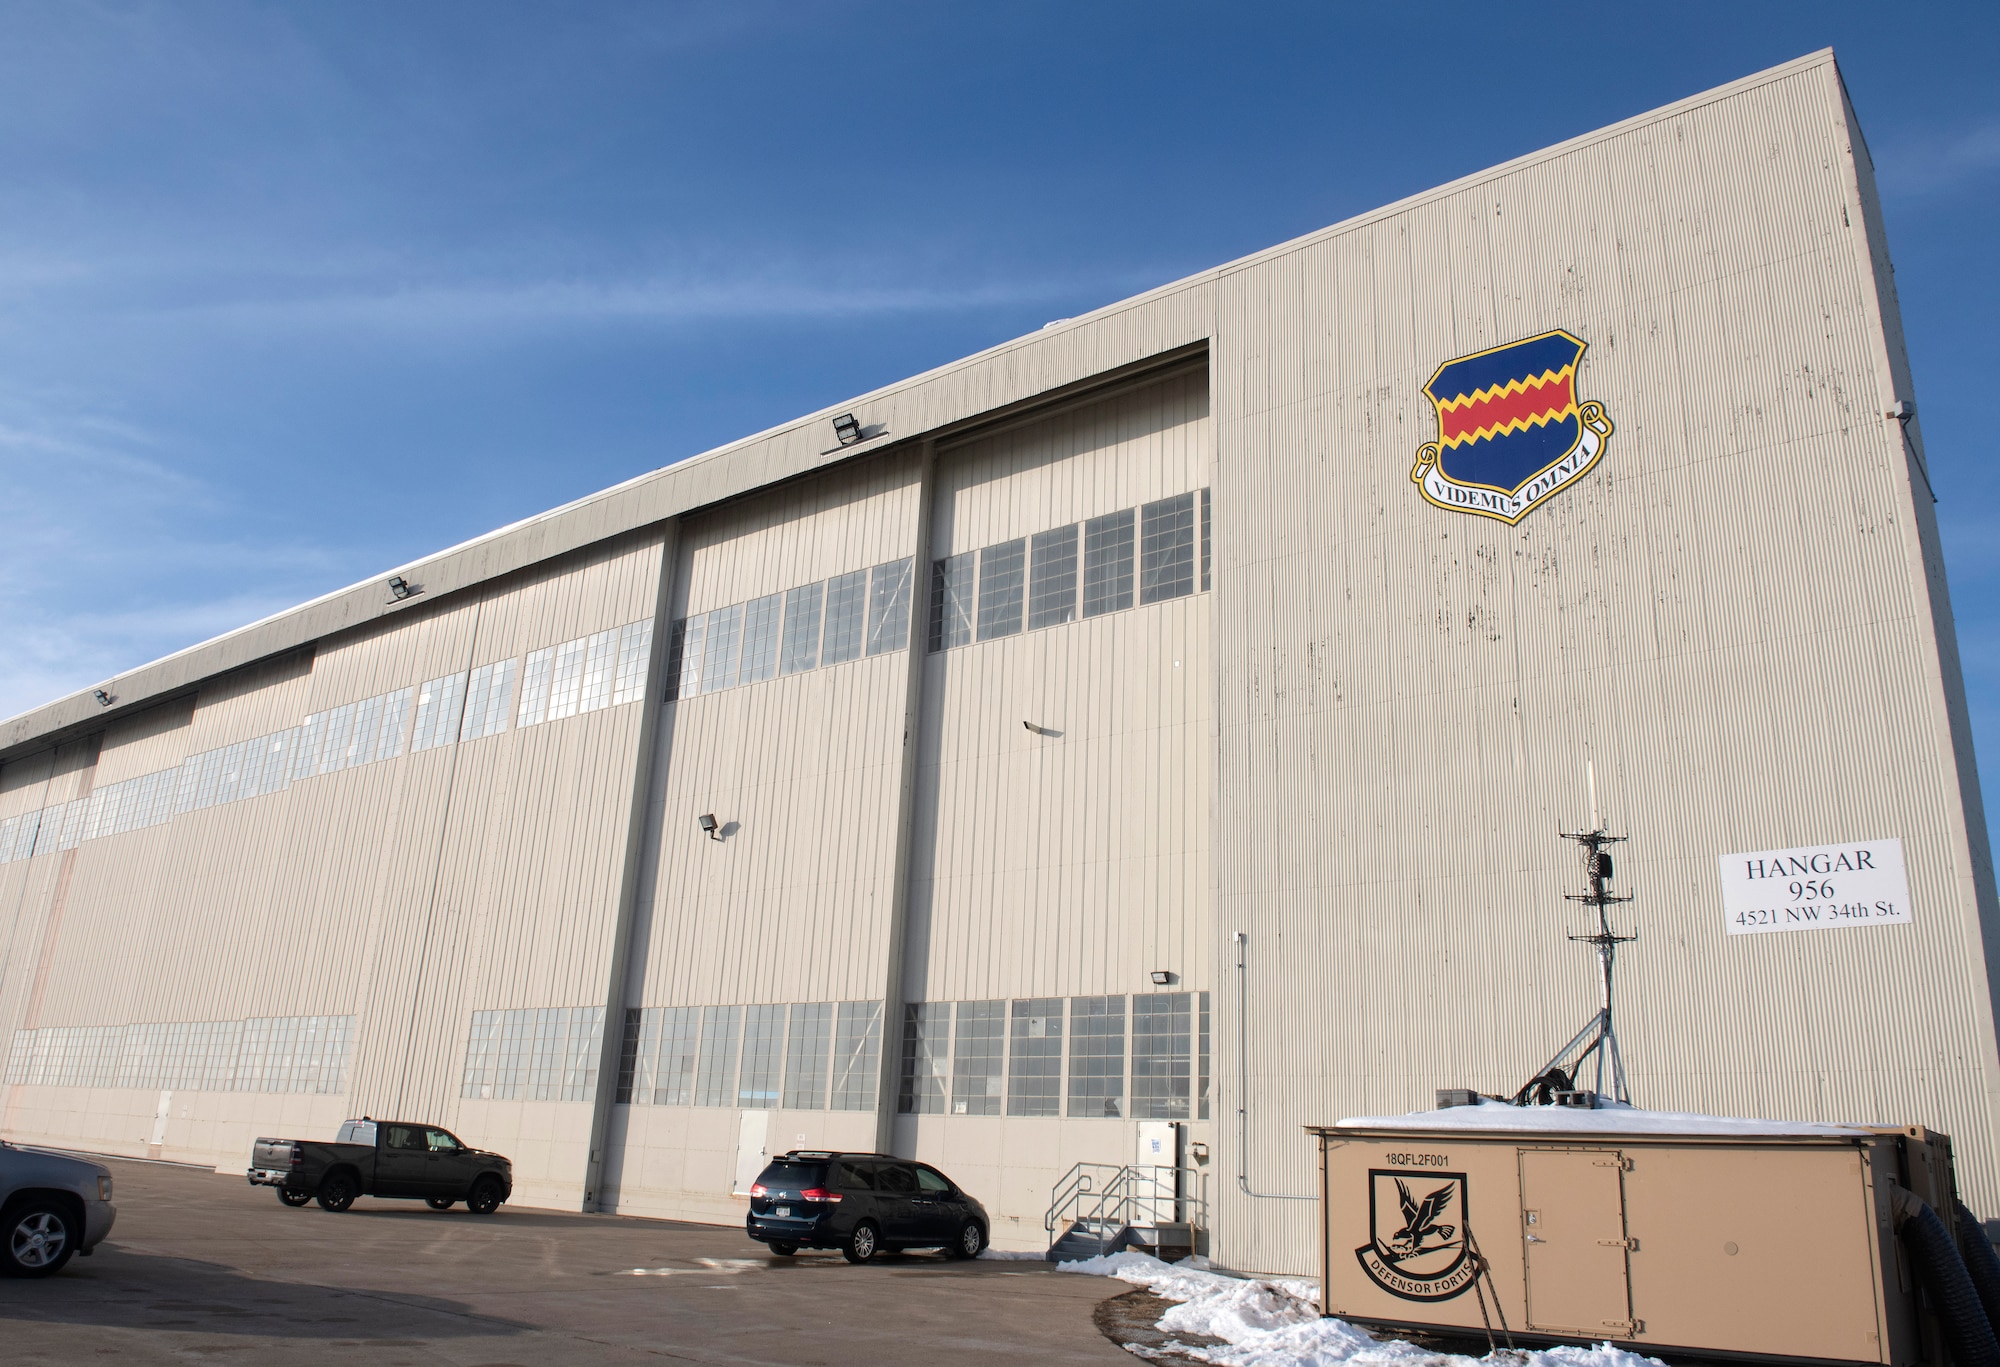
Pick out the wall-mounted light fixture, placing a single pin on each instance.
(103, 699)
(846, 429)
(1161, 977)
(709, 826)
(401, 588)
(1902, 410)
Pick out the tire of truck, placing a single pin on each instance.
(37, 1237)
(294, 1199)
(485, 1196)
(1981, 1263)
(337, 1191)
(439, 1202)
(1947, 1285)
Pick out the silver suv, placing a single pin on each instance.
(51, 1206)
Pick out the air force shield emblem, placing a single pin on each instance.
(1510, 429)
(1417, 1247)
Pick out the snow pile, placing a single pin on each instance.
(1276, 1323)
(1610, 1118)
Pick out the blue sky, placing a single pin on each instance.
(292, 293)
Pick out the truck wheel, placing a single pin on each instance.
(485, 1197)
(438, 1202)
(294, 1199)
(36, 1239)
(337, 1192)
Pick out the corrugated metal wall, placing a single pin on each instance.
(1727, 621)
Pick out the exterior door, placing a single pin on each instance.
(1573, 1237)
(448, 1170)
(938, 1209)
(751, 1135)
(895, 1197)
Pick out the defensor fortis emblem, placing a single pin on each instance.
(1417, 1246)
(1511, 431)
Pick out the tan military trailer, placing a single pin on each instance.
(1654, 1231)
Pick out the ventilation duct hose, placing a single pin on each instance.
(1968, 1335)
(1980, 1261)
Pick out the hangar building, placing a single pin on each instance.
(1165, 716)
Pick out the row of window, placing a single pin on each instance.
(1146, 554)
(866, 612)
(539, 1054)
(995, 1057)
(264, 1054)
(804, 1056)
(607, 669)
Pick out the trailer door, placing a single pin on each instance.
(1574, 1241)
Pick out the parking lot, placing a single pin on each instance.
(203, 1267)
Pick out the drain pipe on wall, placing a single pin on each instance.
(1243, 1081)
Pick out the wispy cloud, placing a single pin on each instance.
(1939, 164)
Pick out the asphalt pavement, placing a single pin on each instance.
(202, 1267)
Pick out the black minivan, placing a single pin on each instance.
(861, 1204)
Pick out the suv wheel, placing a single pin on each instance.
(337, 1192)
(485, 1197)
(784, 1250)
(36, 1239)
(971, 1239)
(294, 1199)
(438, 1202)
(863, 1244)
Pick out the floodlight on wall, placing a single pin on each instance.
(1161, 977)
(709, 826)
(1902, 410)
(103, 698)
(401, 588)
(846, 429)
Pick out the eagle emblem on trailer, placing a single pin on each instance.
(1511, 430)
(1417, 1247)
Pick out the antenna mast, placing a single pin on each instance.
(1553, 1081)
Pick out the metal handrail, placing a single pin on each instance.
(1098, 1193)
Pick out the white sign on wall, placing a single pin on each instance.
(1817, 887)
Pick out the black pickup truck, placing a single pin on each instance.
(383, 1158)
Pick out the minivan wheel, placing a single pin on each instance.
(337, 1192)
(971, 1239)
(294, 1199)
(863, 1244)
(485, 1197)
(36, 1239)
(784, 1250)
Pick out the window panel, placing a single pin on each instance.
(684, 657)
(889, 606)
(976, 1051)
(952, 601)
(680, 1056)
(810, 1037)
(1161, 1035)
(1201, 1060)
(1167, 549)
(636, 1053)
(600, 671)
(635, 653)
(1052, 578)
(395, 724)
(566, 678)
(802, 613)
(926, 1058)
(438, 704)
(857, 1052)
(535, 687)
(761, 620)
(1035, 1055)
(1107, 563)
(763, 1057)
(716, 1083)
(1204, 541)
(846, 613)
(1096, 1056)
(1002, 582)
(487, 698)
(723, 649)
(361, 734)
